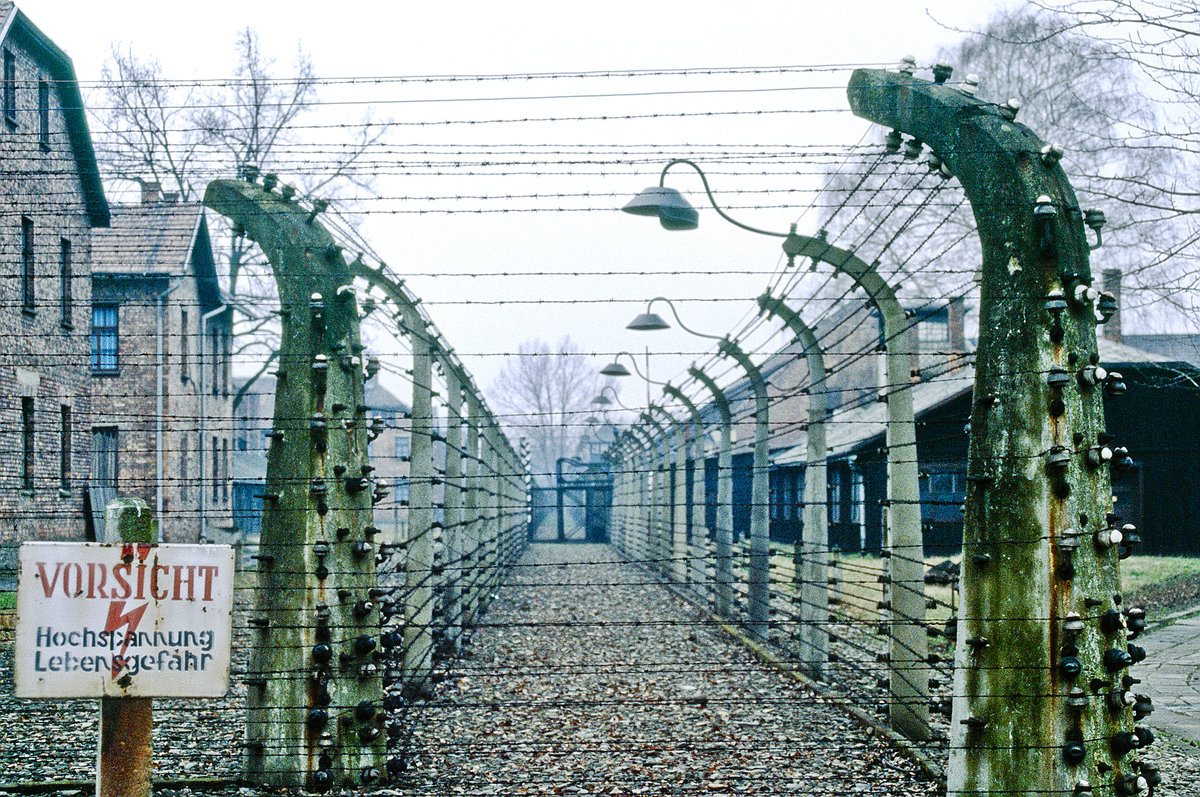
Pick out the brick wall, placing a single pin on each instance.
(41, 357)
(127, 399)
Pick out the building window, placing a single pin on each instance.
(28, 293)
(27, 442)
(403, 447)
(10, 89)
(184, 451)
(105, 459)
(943, 490)
(834, 490)
(44, 114)
(934, 326)
(402, 491)
(216, 468)
(185, 347)
(857, 496)
(226, 361)
(786, 492)
(104, 338)
(66, 297)
(773, 500)
(225, 469)
(64, 447)
(214, 351)
(798, 493)
(944, 484)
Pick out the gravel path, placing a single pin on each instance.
(589, 679)
(586, 677)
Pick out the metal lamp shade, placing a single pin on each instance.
(647, 322)
(602, 400)
(614, 369)
(673, 211)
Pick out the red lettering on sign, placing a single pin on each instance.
(96, 589)
(154, 571)
(181, 582)
(72, 569)
(120, 575)
(209, 572)
(48, 584)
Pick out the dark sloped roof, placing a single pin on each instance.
(850, 428)
(379, 397)
(147, 239)
(14, 23)
(1182, 348)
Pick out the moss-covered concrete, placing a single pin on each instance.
(1010, 718)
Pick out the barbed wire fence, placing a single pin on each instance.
(467, 516)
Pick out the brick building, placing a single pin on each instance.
(389, 454)
(52, 202)
(160, 349)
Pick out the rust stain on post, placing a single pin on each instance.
(124, 764)
(125, 753)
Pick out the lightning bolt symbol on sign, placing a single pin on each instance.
(118, 620)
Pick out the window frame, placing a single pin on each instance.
(773, 501)
(65, 433)
(216, 468)
(44, 115)
(10, 89)
(214, 342)
(65, 286)
(28, 266)
(833, 491)
(185, 348)
(858, 496)
(402, 441)
(28, 443)
(113, 434)
(184, 458)
(933, 326)
(99, 358)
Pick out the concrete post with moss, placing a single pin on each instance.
(813, 566)
(314, 690)
(1043, 703)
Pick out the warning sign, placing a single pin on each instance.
(123, 619)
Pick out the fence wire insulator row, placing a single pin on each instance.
(359, 618)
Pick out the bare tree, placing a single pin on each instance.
(181, 135)
(545, 395)
(1116, 82)
(1073, 91)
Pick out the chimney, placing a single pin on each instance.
(956, 312)
(171, 197)
(151, 192)
(1112, 284)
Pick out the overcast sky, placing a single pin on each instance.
(596, 258)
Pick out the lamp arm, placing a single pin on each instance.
(616, 398)
(712, 199)
(678, 320)
(637, 370)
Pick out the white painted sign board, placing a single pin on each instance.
(123, 620)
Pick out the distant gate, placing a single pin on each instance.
(576, 508)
